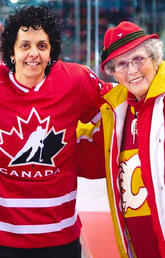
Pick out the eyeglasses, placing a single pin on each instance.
(137, 61)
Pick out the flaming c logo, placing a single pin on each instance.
(129, 199)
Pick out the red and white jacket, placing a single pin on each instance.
(38, 169)
(151, 152)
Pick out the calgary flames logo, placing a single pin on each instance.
(32, 142)
(129, 199)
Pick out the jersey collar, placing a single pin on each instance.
(21, 87)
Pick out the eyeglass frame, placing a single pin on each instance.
(112, 67)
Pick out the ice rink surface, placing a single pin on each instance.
(92, 195)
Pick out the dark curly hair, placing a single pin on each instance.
(35, 17)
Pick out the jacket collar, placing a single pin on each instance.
(116, 95)
(158, 84)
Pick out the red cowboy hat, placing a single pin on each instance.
(121, 39)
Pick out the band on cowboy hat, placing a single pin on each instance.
(121, 39)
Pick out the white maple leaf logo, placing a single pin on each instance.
(32, 142)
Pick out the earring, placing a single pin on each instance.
(49, 63)
(12, 61)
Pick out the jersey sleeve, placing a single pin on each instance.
(94, 89)
(90, 150)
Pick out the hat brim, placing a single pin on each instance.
(125, 48)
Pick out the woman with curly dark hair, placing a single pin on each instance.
(35, 18)
(42, 99)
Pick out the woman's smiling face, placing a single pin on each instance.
(31, 55)
(136, 78)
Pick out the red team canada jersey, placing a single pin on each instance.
(38, 173)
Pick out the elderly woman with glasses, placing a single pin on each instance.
(134, 137)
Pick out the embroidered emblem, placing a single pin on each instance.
(34, 142)
(129, 199)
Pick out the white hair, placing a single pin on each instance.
(155, 48)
